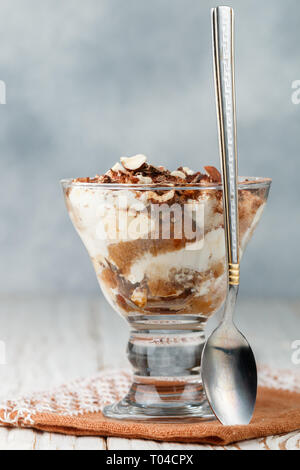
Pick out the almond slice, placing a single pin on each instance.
(144, 179)
(161, 198)
(188, 171)
(118, 167)
(133, 163)
(178, 174)
(213, 173)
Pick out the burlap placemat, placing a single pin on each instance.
(75, 408)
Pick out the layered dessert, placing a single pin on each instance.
(156, 237)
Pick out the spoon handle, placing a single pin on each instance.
(223, 48)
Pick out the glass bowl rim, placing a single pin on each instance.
(245, 182)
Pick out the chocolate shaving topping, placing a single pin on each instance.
(153, 174)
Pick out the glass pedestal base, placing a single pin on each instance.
(165, 353)
(162, 401)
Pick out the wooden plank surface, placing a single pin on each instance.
(50, 340)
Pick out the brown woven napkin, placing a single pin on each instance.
(75, 408)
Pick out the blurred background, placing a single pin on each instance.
(88, 82)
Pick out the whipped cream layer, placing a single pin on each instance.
(211, 253)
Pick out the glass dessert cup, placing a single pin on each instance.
(159, 256)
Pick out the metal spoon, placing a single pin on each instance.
(228, 365)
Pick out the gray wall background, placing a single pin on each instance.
(90, 81)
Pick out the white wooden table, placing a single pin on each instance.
(52, 340)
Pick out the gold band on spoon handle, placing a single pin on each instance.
(223, 46)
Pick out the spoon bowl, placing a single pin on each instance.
(229, 368)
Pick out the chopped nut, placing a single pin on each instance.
(213, 173)
(139, 297)
(104, 179)
(197, 177)
(178, 174)
(163, 197)
(144, 179)
(188, 171)
(82, 180)
(133, 163)
(118, 167)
